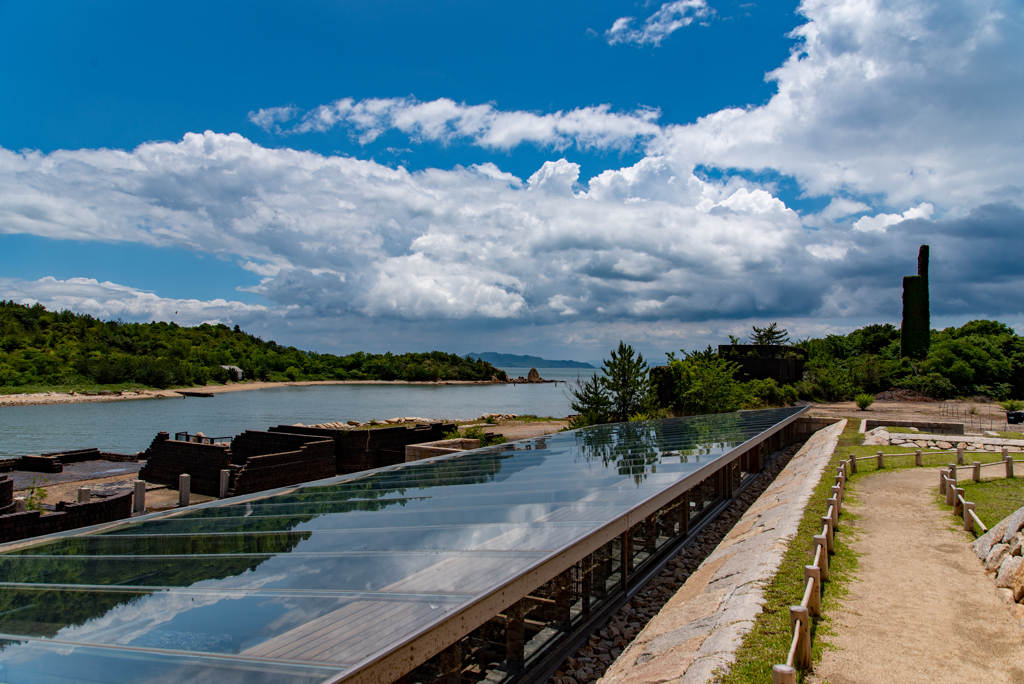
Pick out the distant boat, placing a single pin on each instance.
(518, 361)
(186, 393)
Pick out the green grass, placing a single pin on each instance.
(767, 644)
(994, 499)
(897, 429)
(1010, 435)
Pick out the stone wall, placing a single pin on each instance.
(922, 425)
(698, 631)
(6, 495)
(69, 516)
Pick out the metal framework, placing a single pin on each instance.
(483, 565)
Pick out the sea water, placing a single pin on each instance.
(129, 426)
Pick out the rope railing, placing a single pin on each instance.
(810, 605)
(799, 657)
(962, 508)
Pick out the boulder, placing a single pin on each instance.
(944, 445)
(353, 422)
(1006, 596)
(1014, 522)
(983, 544)
(996, 556)
(1017, 582)
(1016, 543)
(533, 376)
(1007, 569)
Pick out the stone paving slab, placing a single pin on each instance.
(700, 629)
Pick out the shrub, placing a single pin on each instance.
(704, 382)
(864, 400)
(1012, 405)
(767, 393)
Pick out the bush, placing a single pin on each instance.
(766, 393)
(931, 385)
(1012, 405)
(864, 400)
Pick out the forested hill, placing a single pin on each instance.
(518, 361)
(40, 348)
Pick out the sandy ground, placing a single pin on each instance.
(65, 398)
(922, 608)
(932, 410)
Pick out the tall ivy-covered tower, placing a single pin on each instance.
(915, 334)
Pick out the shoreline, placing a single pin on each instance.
(44, 398)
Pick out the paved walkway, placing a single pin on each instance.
(922, 608)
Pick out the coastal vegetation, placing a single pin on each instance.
(42, 349)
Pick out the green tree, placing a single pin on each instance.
(770, 334)
(704, 383)
(626, 381)
(590, 402)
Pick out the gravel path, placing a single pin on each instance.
(922, 608)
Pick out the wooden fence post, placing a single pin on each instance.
(959, 455)
(917, 458)
(976, 471)
(942, 482)
(950, 492)
(1009, 466)
(813, 572)
(968, 520)
(958, 508)
(822, 541)
(881, 460)
(783, 674)
(834, 503)
(803, 648)
(853, 464)
(826, 523)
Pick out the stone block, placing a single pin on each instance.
(995, 557)
(1004, 579)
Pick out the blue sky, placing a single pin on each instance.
(532, 177)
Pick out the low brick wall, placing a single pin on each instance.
(69, 516)
(417, 452)
(922, 425)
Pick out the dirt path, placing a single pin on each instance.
(922, 608)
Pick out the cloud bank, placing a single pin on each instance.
(903, 116)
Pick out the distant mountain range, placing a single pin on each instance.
(518, 361)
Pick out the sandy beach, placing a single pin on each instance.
(74, 398)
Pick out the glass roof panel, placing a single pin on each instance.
(297, 585)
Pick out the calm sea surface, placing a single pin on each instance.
(129, 426)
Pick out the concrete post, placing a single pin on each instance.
(139, 500)
(959, 455)
(783, 674)
(84, 494)
(976, 471)
(917, 458)
(184, 482)
(802, 660)
(881, 460)
(853, 464)
(19, 504)
(225, 482)
(813, 572)
(826, 524)
(942, 482)
(950, 492)
(968, 520)
(1009, 466)
(837, 494)
(954, 474)
(958, 508)
(822, 541)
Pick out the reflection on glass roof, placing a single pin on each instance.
(302, 584)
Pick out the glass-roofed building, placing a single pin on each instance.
(483, 565)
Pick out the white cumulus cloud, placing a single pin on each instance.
(669, 18)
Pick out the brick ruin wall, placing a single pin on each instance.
(358, 450)
(6, 495)
(166, 459)
(69, 516)
(267, 460)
